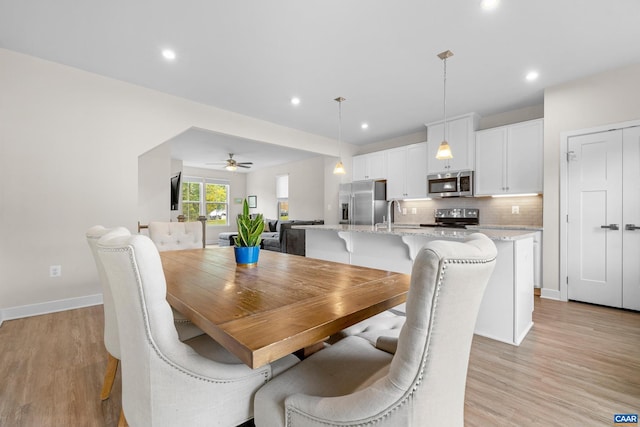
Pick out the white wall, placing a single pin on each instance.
(155, 169)
(412, 138)
(306, 189)
(69, 147)
(511, 117)
(606, 98)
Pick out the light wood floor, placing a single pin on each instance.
(578, 366)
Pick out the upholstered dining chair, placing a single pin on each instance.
(417, 379)
(166, 382)
(175, 236)
(186, 330)
(172, 236)
(111, 340)
(388, 324)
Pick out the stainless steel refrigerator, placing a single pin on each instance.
(363, 202)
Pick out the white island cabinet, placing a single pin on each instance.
(507, 306)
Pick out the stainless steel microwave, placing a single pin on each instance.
(450, 184)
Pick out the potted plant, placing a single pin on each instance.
(247, 242)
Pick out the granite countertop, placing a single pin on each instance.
(505, 227)
(415, 230)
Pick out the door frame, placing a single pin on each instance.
(564, 196)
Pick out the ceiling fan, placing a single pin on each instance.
(231, 164)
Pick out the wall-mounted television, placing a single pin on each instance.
(175, 191)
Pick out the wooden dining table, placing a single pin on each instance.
(284, 304)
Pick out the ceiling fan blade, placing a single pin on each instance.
(231, 162)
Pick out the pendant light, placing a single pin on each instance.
(444, 151)
(339, 169)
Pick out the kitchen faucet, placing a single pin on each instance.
(389, 205)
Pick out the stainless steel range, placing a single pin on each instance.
(455, 218)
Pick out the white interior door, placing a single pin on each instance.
(595, 201)
(631, 219)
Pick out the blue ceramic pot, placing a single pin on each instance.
(247, 256)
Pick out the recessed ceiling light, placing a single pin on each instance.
(531, 76)
(295, 100)
(489, 4)
(168, 54)
(365, 126)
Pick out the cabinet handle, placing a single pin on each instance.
(631, 227)
(611, 226)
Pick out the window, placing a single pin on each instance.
(283, 210)
(282, 195)
(205, 197)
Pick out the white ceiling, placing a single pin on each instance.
(200, 148)
(252, 56)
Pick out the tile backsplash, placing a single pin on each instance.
(493, 210)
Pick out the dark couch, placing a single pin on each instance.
(288, 240)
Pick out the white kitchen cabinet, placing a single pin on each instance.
(460, 136)
(370, 166)
(407, 174)
(509, 159)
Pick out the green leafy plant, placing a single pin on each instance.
(249, 229)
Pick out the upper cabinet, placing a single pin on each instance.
(509, 159)
(370, 166)
(406, 174)
(460, 135)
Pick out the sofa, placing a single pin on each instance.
(278, 236)
(227, 238)
(288, 240)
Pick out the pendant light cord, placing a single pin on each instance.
(339, 101)
(339, 169)
(340, 128)
(444, 99)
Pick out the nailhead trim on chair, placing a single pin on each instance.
(129, 251)
(408, 396)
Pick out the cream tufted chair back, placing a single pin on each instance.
(184, 327)
(166, 382)
(171, 236)
(111, 340)
(417, 379)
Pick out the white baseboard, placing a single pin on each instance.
(550, 294)
(48, 307)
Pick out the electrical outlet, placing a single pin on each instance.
(515, 210)
(414, 211)
(404, 211)
(55, 271)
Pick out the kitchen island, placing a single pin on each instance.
(506, 310)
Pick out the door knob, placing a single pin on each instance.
(611, 226)
(631, 227)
